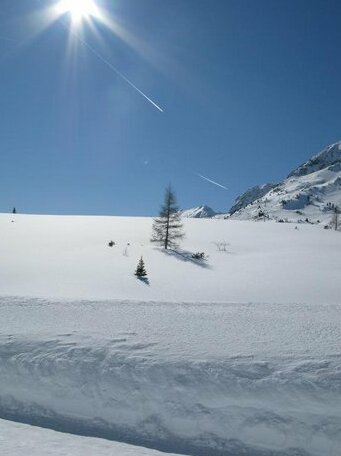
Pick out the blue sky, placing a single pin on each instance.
(250, 89)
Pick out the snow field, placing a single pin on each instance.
(68, 258)
(239, 355)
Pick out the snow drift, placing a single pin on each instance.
(196, 379)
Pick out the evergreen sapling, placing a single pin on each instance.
(141, 270)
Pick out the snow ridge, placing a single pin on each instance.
(329, 156)
(250, 196)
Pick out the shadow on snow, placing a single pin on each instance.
(186, 256)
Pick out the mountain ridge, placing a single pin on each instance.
(309, 193)
(202, 211)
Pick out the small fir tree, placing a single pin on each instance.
(141, 270)
(167, 228)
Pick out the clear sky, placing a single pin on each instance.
(249, 89)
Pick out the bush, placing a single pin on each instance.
(199, 256)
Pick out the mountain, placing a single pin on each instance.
(310, 192)
(250, 196)
(199, 212)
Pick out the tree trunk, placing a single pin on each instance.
(167, 226)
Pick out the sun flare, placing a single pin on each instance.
(79, 10)
(86, 15)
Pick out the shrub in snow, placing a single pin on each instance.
(111, 244)
(140, 271)
(199, 256)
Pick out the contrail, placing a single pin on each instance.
(111, 66)
(211, 181)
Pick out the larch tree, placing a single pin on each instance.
(167, 228)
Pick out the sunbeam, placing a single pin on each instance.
(87, 12)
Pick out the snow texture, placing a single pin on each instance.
(196, 379)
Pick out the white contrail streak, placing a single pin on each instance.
(111, 66)
(211, 181)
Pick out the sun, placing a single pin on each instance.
(79, 10)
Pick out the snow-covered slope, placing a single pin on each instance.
(309, 192)
(331, 155)
(238, 355)
(68, 257)
(199, 212)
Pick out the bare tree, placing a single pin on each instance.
(167, 228)
(221, 246)
(335, 219)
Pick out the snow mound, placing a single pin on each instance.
(219, 380)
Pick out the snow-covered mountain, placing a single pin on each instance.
(310, 192)
(250, 196)
(202, 211)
